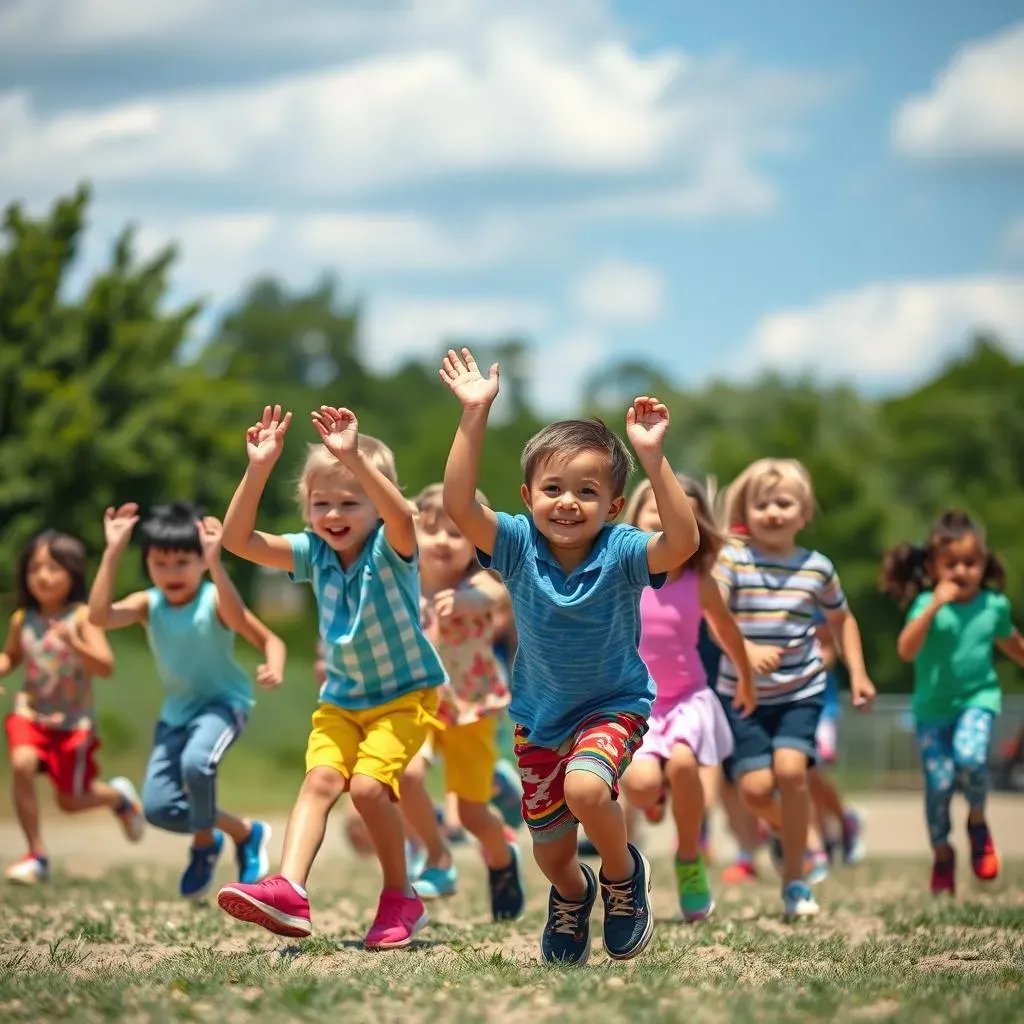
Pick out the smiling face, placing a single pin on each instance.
(176, 574)
(571, 498)
(776, 513)
(47, 580)
(340, 513)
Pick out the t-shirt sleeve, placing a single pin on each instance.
(1004, 624)
(629, 547)
(830, 592)
(303, 547)
(511, 542)
(384, 552)
(724, 572)
(918, 605)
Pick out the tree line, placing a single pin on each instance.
(100, 403)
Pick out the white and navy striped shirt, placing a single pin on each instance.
(776, 600)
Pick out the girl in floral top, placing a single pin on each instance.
(52, 727)
(461, 605)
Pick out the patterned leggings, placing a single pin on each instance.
(954, 751)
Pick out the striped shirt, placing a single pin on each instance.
(775, 600)
(578, 632)
(374, 647)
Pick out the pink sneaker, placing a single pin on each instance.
(273, 904)
(398, 919)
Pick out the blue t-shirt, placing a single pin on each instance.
(578, 632)
(373, 642)
(194, 654)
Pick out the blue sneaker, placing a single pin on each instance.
(628, 921)
(507, 793)
(436, 883)
(506, 885)
(198, 877)
(566, 936)
(798, 901)
(253, 856)
(415, 859)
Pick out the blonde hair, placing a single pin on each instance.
(428, 507)
(320, 464)
(766, 474)
(711, 538)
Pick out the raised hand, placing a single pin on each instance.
(264, 440)
(339, 430)
(118, 524)
(211, 532)
(646, 425)
(467, 383)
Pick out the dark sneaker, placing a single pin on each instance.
(944, 876)
(198, 876)
(506, 885)
(566, 936)
(628, 921)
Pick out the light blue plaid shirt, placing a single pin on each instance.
(375, 650)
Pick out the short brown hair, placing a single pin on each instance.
(571, 437)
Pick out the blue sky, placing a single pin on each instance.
(710, 187)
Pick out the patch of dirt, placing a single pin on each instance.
(968, 960)
(882, 1010)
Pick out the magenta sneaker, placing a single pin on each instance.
(398, 919)
(273, 904)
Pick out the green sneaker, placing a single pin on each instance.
(695, 899)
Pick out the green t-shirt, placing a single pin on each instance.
(955, 667)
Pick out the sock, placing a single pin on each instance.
(298, 888)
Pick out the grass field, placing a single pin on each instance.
(120, 947)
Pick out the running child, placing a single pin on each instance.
(581, 694)
(957, 614)
(460, 604)
(688, 729)
(190, 623)
(359, 554)
(52, 728)
(773, 587)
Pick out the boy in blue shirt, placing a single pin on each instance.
(190, 623)
(581, 695)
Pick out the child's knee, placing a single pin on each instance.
(323, 783)
(416, 771)
(24, 763)
(682, 767)
(67, 801)
(369, 793)
(475, 816)
(790, 769)
(643, 786)
(586, 793)
(757, 789)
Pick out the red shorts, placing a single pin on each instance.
(603, 745)
(66, 755)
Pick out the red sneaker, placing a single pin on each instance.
(984, 859)
(740, 872)
(398, 919)
(944, 876)
(274, 904)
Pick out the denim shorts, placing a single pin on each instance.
(789, 726)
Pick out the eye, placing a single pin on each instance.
(588, 491)
(550, 489)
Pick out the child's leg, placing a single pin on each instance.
(164, 802)
(935, 742)
(209, 737)
(24, 769)
(971, 741)
(421, 814)
(826, 797)
(687, 793)
(790, 770)
(643, 782)
(307, 824)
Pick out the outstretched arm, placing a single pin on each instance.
(339, 430)
(646, 425)
(10, 657)
(844, 625)
(104, 611)
(476, 393)
(264, 444)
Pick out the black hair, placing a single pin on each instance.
(171, 528)
(905, 567)
(67, 551)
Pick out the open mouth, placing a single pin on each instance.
(337, 532)
(567, 522)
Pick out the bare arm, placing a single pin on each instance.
(829, 647)
(11, 656)
(914, 633)
(392, 506)
(269, 644)
(1013, 647)
(726, 633)
(89, 642)
(846, 629)
(477, 394)
(104, 611)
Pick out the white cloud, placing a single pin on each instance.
(616, 292)
(560, 366)
(888, 331)
(397, 327)
(974, 107)
(1013, 239)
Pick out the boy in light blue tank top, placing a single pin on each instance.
(190, 623)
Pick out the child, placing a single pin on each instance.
(956, 615)
(359, 554)
(773, 588)
(581, 694)
(52, 728)
(688, 728)
(459, 604)
(190, 623)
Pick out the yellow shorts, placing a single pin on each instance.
(377, 742)
(470, 753)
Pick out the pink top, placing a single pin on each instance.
(669, 631)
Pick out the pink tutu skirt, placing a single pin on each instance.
(697, 721)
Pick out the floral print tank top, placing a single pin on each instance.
(477, 683)
(57, 687)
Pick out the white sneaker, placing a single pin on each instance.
(132, 820)
(27, 871)
(798, 901)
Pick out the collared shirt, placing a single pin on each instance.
(578, 632)
(374, 646)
